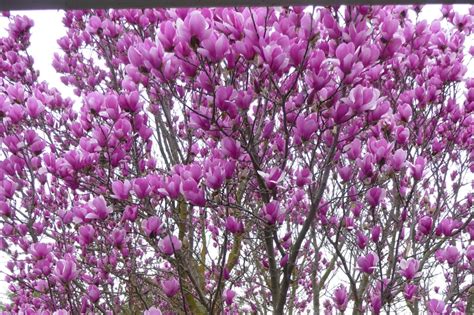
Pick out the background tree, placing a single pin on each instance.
(260, 160)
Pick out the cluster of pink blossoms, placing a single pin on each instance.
(240, 160)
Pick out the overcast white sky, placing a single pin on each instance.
(48, 28)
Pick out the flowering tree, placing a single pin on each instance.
(223, 161)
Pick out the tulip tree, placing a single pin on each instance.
(241, 160)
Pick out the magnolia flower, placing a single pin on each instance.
(189, 188)
(398, 159)
(345, 172)
(368, 263)
(231, 148)
(435, 307)
(305, 127)
(229, 296)
(340, 298)
(86, 234)
(98, 209)
(446, 227)
(152, 311)
(214, 47)
(284, 260)
(302, 177)
(363, 99)
(171, 187)
(151, 226)
(275, 58)
(121, 189)
(122, 128)
(170, 287)
(375, 196)
(345, 53)
(424, 225)
(40, 250)
(362, 239)
(141, 187)
(169, 245)
(375, 234)
(418, 167)
(470, 253)
(215, 177)
(375, 302)
(194, 27)
(65, 270)
(130, 213)
(34, 107)
(273, 177)
(404, 111)
(354, 149)
(410, 291)
(118, 237)
(167, 35)
(93, 293)
(409, 268)
(450, 254)
(402, 135)
(272, 213)
(233, 225)
(380, 149)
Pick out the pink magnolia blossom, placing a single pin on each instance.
(398, 159)
(410, 291)
(424, 225)
(194, 27)
(363, 99)
(233, 225)
(192, 192)
(121, 189)
(305, 127)
(272, 213)
(418, 168)
(86, 234)
(40, 250)
(93, 292)
(409, 268)
(141, 187)
(231, 148)
(450, 254)
(447, 226)
(273, 177)
(368, 263)
(229, 296)
(170, 286)
(169, 245)
(152, 311)
(98, 209)
(341, 298)
(470, 253)
(152, 226)
(375, 196)
(435, 307)
(66, 270)
(214, 48)
(302, 177)
(376, 231)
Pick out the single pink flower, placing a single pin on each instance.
(65, 270)
(169, 245)
(170, 287)
(368, 263)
